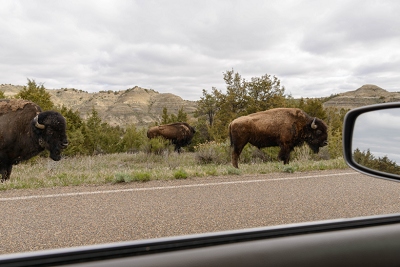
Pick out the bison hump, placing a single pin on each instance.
(12, 105)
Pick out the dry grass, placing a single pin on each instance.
(140, 167)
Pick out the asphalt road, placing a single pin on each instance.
(75, 216)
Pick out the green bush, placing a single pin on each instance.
(132, 177)
(289, 169)
(181, 174)
(301, 153)
(252, 154)
(212, 152)
(233, 171)
(157, 145)
(141, 177)
(335, 144)
(220, 153)
(122, 178)
(211, 171)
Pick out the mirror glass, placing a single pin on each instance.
(376, 140)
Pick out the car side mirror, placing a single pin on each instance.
(371, 140)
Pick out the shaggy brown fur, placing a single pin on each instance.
(7, 105)
(180, 133)
(25, 131)
(283, 127)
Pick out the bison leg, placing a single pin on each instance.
(235, 155)
(284, 154)
(5, 173)
(177, 149)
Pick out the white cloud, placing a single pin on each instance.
(377, 131)
(315, 48)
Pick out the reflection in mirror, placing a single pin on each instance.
(376, 140)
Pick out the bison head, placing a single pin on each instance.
(317, 134)
(51, 130)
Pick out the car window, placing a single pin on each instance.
(124, 121)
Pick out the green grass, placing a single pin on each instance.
(141, 167)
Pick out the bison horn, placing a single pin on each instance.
(37, 124)
(313, 125)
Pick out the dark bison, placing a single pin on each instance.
(180, 133)
(283, 127)
(25, 131)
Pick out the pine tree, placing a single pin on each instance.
(36, 93)
(165, 116)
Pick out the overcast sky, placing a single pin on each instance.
(378, 132)
(316, 48)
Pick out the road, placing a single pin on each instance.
(85, 215)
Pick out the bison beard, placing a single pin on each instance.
(25, 131)
(283, 127)
(180, 133)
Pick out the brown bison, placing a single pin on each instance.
(25, 131)
(283, 127)
(180, 133)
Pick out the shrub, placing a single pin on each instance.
(301, 153)
(141, 177)
(233, 171)
(289, 169)
(252, 154)
(212, 152)
(335, 144)
(212, 172)
(133, 177)
(122, 178)
(157, 145)
(181, 174)
(220, 153)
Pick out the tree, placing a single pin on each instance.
(75, 135)
(202, 132)
(313, 107)
(91, 132)
(231, 105)
(334, 119)
(2, 94)
(38, 94)
(73, 118)
(207, 106)
(236, 95)
(110, 139)
(181, 117)
(165, 116)
(264, 93)
(241, 98)
(367, 159)
(133, 139)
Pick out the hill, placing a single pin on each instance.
(142, 106)
(365, 95)
(132, 106)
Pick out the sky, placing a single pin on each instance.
(315, 48)
(378, 132)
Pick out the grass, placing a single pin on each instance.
(141, 167)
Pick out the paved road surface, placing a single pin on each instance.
(75, 216)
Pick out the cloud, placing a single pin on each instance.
(377, 131)
(315, 48)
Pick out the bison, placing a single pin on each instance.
(283, 127)
(180, 133)
(25, 131)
